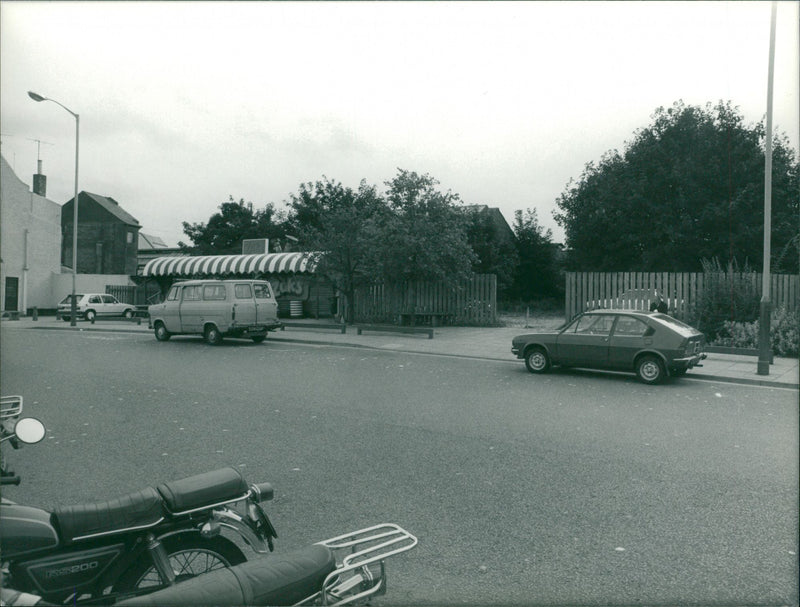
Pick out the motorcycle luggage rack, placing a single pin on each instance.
(354, 579)
(10, 406)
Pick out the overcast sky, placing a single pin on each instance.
(185, 104)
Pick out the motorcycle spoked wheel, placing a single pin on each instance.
(189, 554)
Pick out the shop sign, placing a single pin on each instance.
(296, 287)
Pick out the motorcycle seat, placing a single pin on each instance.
(138, 510)
(203, 490)
(277, 579)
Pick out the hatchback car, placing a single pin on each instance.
(93, 305)
(651, 344)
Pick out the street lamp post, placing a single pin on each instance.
(765, 308)
(73, 304)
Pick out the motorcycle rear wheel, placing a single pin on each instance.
(189, 554)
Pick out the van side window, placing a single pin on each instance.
(243, 292)
(191, 293)
(214, 292)
(262, 291)
(173, 293)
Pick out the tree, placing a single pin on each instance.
(329, 217)
(537, 274)
(225, 230)
(424, 233)
(495, 250)
(688, 187)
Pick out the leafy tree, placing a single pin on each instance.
(225, 230)
(496, 252)
(537, 274)
(689, 186)
(424, 233)
(329, 217)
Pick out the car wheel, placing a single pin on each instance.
(258, 338)
(65, 318)
(90, 315)
(161, 332)
(212, 335)
(128, 314)
(650, 369)
(537, 360)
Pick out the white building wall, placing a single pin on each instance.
(87, 283)
(30, 242)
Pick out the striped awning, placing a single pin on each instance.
(220, 265)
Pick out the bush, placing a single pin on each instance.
(784, 333)
(729, 295)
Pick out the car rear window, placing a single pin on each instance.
(682, 328)
(627, 325)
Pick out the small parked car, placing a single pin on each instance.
(93, 305)
(215, 309)
(651, 344)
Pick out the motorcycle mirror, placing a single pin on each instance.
(29, 430)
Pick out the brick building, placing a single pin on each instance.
(108, 237)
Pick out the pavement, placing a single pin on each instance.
(487, 343)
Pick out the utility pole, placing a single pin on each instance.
(765, 312)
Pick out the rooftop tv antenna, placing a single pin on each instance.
(39, 143)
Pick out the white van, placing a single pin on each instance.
(216, 309)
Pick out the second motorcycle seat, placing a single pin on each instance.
(201, 490)
(279, 579)
(137, 510)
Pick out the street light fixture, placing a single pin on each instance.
(73, 304)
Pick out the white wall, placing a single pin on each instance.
(85, 283)
(30, 242)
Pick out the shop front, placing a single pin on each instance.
(300, 291)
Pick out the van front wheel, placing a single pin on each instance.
(161, 332)
(213, 335)
(258, 338)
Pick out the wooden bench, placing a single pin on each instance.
(316, 325)
(396, 329)
(410, 318)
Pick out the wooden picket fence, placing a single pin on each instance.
(471, 302)
(680, 291)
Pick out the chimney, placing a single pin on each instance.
(40, 181)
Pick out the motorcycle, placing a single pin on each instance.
(134, 550)
(346, 570)
(349, 569)
(131, 545)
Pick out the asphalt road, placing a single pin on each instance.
(570, 488)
